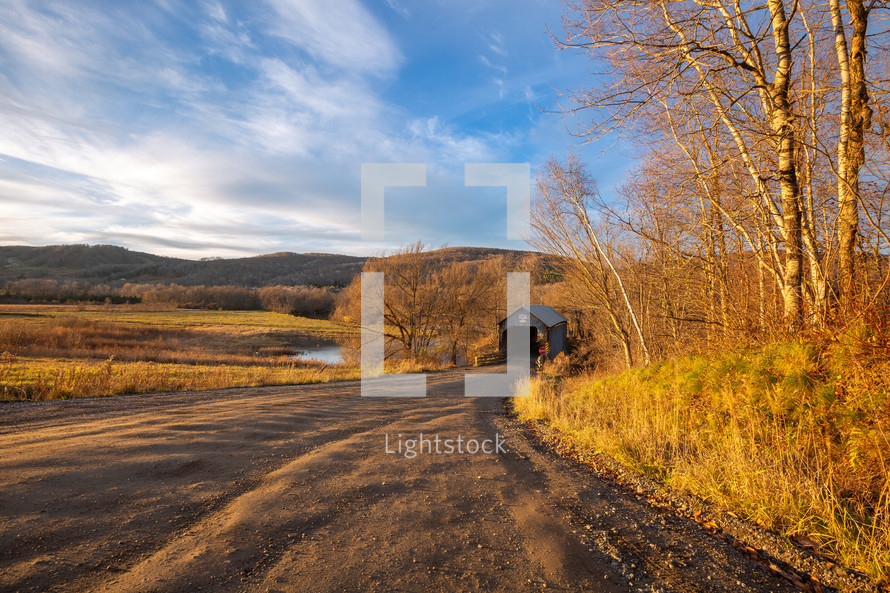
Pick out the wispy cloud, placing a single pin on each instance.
(449, 146)
(340, 33)
(216, 11)
(199, 146)
(399, 8)
(497, 44)
(221, 127)
(488, 63)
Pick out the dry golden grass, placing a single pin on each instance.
(44, 379)
(53, 352)
(403, 367)
(795, 436)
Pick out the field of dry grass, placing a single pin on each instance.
(56, 351)
(796, 436)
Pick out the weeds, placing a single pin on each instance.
(795, 435)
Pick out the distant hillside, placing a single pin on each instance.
(108, 264)
(115, 265)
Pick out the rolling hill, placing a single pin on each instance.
(113, 265)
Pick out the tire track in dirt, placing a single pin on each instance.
(292, 489)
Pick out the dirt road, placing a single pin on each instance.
(292, 489)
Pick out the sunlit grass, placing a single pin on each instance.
(60, 351)
(175, 318)
(795, 436)
(43, 379)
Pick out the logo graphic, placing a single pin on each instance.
(375, 178)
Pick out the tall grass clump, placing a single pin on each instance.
(796, 436)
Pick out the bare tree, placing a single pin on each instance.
(855, 119)
(432, 309)
(738, 62)
(410, 298)
(468, 305)
(562, 226)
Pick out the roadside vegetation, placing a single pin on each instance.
(728, 302)
(792, 435)
(60, 351)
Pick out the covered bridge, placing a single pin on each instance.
(547, 327)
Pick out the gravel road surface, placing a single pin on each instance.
(298, 489)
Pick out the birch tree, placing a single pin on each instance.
(737, 59)
(779, 89)
(562, 225)
(855, 119)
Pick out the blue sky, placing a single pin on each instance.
(198, 129)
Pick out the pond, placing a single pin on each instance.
(314, 348)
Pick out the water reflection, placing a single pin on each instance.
(314, 348)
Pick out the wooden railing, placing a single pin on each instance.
(491, 358)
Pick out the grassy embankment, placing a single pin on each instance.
(51, 352)
(795, 436)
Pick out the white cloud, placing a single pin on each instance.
(216, 11)
(497, 44)
(116, 133)
(449, 147)
(340, 33)
(398, 8)
(488, 63)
